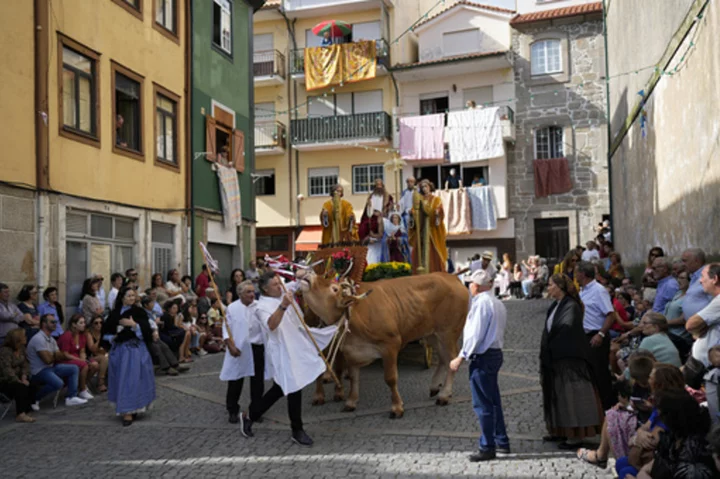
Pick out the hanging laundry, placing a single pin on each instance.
(340, 63)
(230, 195)
(458, 218)
(552, 177)
(475, 134)
(482, 205)
(422, 137)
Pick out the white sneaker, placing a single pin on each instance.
(85, 395)
(35, 406)
(76, 401)
(202, 352)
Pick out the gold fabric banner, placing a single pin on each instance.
(343, 63)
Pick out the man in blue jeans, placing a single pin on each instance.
(42, 353)
(482, 346)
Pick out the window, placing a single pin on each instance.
(321, 180)
(549, 143)
(96, 244)
(165, 15)
(460, 43)
(222, 25)
(545, 57)
(341, 104)
(268, 243)
(166, 126)
(366, 31)
(430, 106)
(78, 91)
(131, 6)
(163, 247)
(481, 95)
(264, 182)
(364, 177)
(127, 112)
(480, 175)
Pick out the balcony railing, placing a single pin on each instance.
(297, 57)
(507, 113)
(269, 63)
(338, 128)
(270, 135)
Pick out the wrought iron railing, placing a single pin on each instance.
(269, 63)
(297, 57)
(270, 134)
(339, 128)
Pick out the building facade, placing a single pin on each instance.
(560, 118)
(221, 116)
(664, 130)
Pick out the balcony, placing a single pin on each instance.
(270, 138)
(507, 120)
(268, 68)
(309, 8)
(332, 132)
(297, 60)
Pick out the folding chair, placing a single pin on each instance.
(5, 403)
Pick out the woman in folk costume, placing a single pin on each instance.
(395, 242)
(427, 231)
(338, 219)
(132, 378)
(291, 358)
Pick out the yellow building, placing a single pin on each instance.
(106, 148)
(307, 141)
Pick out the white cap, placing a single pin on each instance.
(481, 278)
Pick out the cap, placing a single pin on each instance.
(481, 278)
(487, 255)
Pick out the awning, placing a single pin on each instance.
(309, 238)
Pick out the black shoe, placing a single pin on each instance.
(482, 456)
(234, 419)
(246, 426)
(302, 439)
(127, 422)
(503, 451)
(570, 446)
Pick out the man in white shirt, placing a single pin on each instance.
(406, 200)
(291, 358)
(116, 281)
(599, 317)
(482, 346)
(239, 359)
(591, 253)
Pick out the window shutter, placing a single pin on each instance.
(210, 141)
(162, 259)
(239, 150)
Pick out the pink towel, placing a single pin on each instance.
(422, 137)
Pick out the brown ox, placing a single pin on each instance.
(398, 311)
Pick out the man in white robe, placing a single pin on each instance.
(238, 362)
(291, 359)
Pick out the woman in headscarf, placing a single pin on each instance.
(132, 378)
(395, 241)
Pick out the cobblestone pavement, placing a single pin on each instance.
(187, 434)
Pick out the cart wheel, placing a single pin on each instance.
(428, 356)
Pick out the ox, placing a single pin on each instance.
(400, 310)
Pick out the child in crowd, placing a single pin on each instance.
(640, 366)
(621, 419)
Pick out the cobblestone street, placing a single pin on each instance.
(187, 434)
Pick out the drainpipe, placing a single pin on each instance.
(42, 150)
(606, 3)
(189, 108)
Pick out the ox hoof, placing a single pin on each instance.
(339, 398)
(318, 401)
(434, 392)
(348, 408)
(397, 414)
(442, 401)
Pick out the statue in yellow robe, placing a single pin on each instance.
(338, 219)
(427, 231)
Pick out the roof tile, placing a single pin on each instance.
(587, 8)
(468, 56)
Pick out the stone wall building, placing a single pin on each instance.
(560, 113)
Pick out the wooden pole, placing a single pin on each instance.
(312, 338)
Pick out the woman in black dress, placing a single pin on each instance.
(570, 401)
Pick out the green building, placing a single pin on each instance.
(222, 124)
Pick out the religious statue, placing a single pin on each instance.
(374, 238)
(378, 200)
(427, 232)
(395, 242)
(338, 219)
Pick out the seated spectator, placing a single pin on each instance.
(97, 351)
(215, 316)
(541, 280)
(27, 302)
(648, 279)
(667, 286)
(161, 352)
(45, 366)
(175, 288)
(682, 451)
(616, 270)
(73, 343)
(189, 319)
(116, 282)
(15, 374)
(53, 306)
(656, 340)
(531, 271)
(676, 318)
(91, 305)
(10, 315)
(705, 324)
(157, 285)
(173, 334)
(516, 283)
(190, 294)
(208, 340)
(622, 322)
